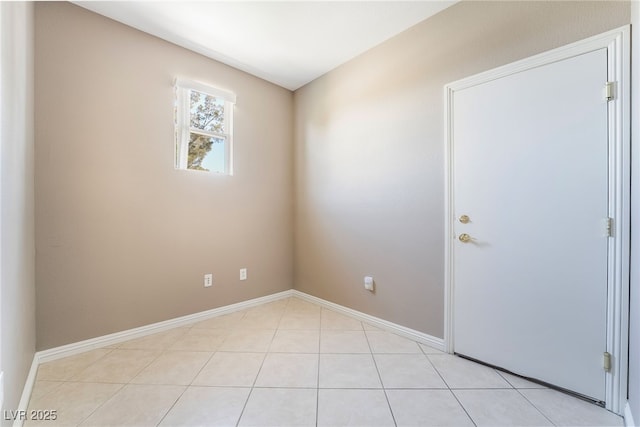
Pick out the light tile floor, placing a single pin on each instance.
(292, 363)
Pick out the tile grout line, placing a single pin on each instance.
(161, 352)
(531, 403)
(172, 405)
(435, 369)
(463, 408)
(188, 385)
(186, 388)
(71, 379)
(194, 377)
(122, 385)
(384, 390)
(65, 380)
(448, 387)
(253, 386)
(211, 357)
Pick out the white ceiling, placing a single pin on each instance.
(289, 43)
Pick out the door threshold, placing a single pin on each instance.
(537, 381)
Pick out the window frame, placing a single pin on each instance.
(183, 88)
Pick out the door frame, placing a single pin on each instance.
(618, 69)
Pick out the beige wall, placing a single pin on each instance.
(17, 259)
(369, 151)
(123, 239)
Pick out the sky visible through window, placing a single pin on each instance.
(207, 114)
(214, 161)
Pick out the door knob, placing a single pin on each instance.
(464, 219)
(464, 238)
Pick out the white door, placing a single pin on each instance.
(530, 170)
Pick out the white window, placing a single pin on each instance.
(204, 127)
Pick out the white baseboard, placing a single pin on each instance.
(23, 405)
(431, 341)
(628, 416)
(118, 337)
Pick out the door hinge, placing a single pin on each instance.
(608, 227)
(606, 361)
(609, 91)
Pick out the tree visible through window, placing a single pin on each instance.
(203, 131)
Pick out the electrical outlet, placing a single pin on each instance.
(368, 283)
(208, 280)
(243, 274)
